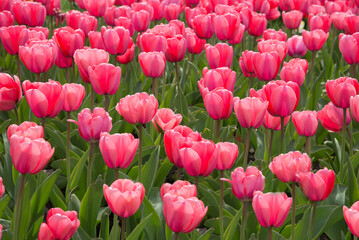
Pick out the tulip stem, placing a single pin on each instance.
(155, 87)
(293, 210)
(163, 85)
(196, 182)
(140, 153)
(16, 114)
(350, 141)
(246, 150)
(334, 34)
(221, 205)
(217, 126)
(269, 233)
(68, 165)
(18, 207)
(352, 70)
(90, 164)
(38, 75)
(244, 219)
(18, 63)
(44, 77)
(343, 132)
(107, 100)
(179, 173)
(314, 206)
(270, 146)
(73, 72)
(250, 81)
(176, 235)
(308, 141)
(43, 123)
(177, 75)
(68, 75)
(123, 228)
(115, 224)
(312, 68)
(254, 42)
(282, 128)
(92, 98)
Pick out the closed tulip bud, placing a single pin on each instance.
(258, 24)
(96, 41)
(176, 139)
(165, 119)
(305, 122)
(314, 40)
(2, 190)
(271, 209)
(74, 94)
(179, 188)
(172, 11)
(10, 91)
(317, 186)
(340, 90)
(354, 107)
(228, 153)
(293, 73)
(183, 214)
(52, 6)
(105, 78)
(152, 63)
(246, 63)
(138, 6)
(96, 8)
(83, 21)
(296, 46)
(199, 158)
(271, 34)
(303, 63)
(138, 108)
(29, 156)
(59, 225)
(12, 37)
(321, 21)
(331, 117)
(69, 40)
(292, 19)
(220, 55)
(351, 215)
(266, 65)
(237, 39)
(202, 26)
(273, 123)
(216, 78)
(141, 20)
(195, 45)
(6, 19)
(226, 26)
(125, 23)
(350, 23)
(118, 150)
(316, 8)
(26, 129)
(61, 61)
(219, 103)
(176, 48)
(129, 55)
(158, 9)
(5, 5)
(349, 47)
(245, 183)
(274, 45)
(150, 42)
(250, 111)
(116, 40)
(45, 99)
(85, 58)
(287, 167)
(190, 13)
(124, 197)
(33, 13)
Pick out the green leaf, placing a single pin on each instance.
(105, 225)
(149, 171)
(233, 226)
(56, 198)
(78, 170)
(8, 166)
(352, 180)
(135, 234)
(81, 234)
(4, 201)
(162, 173)
(155, 228)
(206, 235)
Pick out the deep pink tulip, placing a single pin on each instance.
(176, 48)
(36, 36)
(199, 158)
(52, 7)
(220, 55)
(287, 167)
(5, 5)
(183, 214)
(125, 23)
(277, 46)
(118, 150)
(129, 55)
(195, 45)
(69, 40)
(292, 19)
(172, 11)
(150, 42)
(350, 23)
(105, 78)
(222, 77)
(152, 63)
(331, 117)
(91, 125)
(43, 30)
(272, 34)
(258, 23)
(305, 122)
(6, 19)
(96, 8)
(338, 19)
(266, 65)
(26, 129)
(44, 98)
(314, 40)
(59, 225)
(165, 119)
(293, 73)
(190, 13)
(179, 188)
(320, 21)
(245, 183)
(317, 186)
(158, 9)
(33, 13)
(138, 108)
(2, 190)
(316, 8)
(116, 40)
(273, 123)
(12, 37)
(349, 47)
(283, 97)
(29, 156)
(176, 139)
(138, 6)
(74, 94)
(296, 46)
(141, 20)
(85, 58)
(219, 103)
(271, 209)
(83, 21)
(303, 63)
(340, 90)
(250, 111)
(202, 26)
(10, 91)
(227, 155)
(226, 26)
(61, 61)
(246, 63)
(16, 10)
(96, 41)
(237, 39)
(113, 13)
(354, 107)
(351, 215)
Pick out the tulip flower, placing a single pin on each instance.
(63, 62)
(183, 214)
(26, 129)
(10, 90)
(293, 73)
(296, 46)
(350, 23)
(320, 21)
(96, 8)
(190, 13)
(12, 37)
(165, 119)
(195, 45)
(83, 21)
(158, 9)
(5, 5)
(237, 39)
(202, 26)
(314, 40)
(116, 40)
(59, 225)
(129, 55)
(266, 65)
(277, 46)
(348, 45)
(338, 19)
(354, 107)
(219, 104)
(150, 42)
(220, 55)
(350, 216)
(176, 48)
(228, 153)
(292, 19)
(222, 77)
(340, 90)
(6, 19)
(141, 20)
(226, 26)
(33, 13)
(305, 122)
(74, 94)
(69, 40)
(172, 11)
(2, 190)
(179, 188)
(271, 34)
(257, 25)
(246, 65)
(331, 117)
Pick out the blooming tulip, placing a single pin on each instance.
(271, 34)
(116, 40)
(202, 26)
(266, 65)
(158, 9)
(320, 21)
(350, 23)
(314, 40)
(338, 19)
(83, 21)
(245, 183)
(125, 23)
(10, 91)
(195, 45)
(179, 188)
(246, 63)
(2, 190)
(351, 216)
(219, 103)
(69, 40)
(237, 39)
(59, 225)
(141, 20)
(152, 63)
(220, 55)
(6, 19)
(222, 77)
(33, 13)
(354, 107)
(190, 13)
(258, 24)
(293, 73)
(129, 55)
(61, 61)
(331, 117)
(12, 37)
(176, 48)
(5, 5)
(172, 11)
(228, 153)
(305, 122)
(29, 156)
(349, 47)
(150, 42)
(124, 197)
(26, 129)
(226, 26)
(273, 45)
(250, 111)
(303, 63)
(105, 78)
(96, 8)
(165, 119)
(296, 46)
(340, 90)
(292, 19)
(317, 186)
(74, 94)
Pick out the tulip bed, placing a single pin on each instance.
(173, 119)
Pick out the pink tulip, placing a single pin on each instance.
(226, 26)
(96, 8)
(237, 39)
(69, 40)
(179, 188)
(293, 73)
(246, 63)
(74, 94)
(219, 103)
(303, 63)
(152, 63)
(5, 5)
(83, 21)
(105, 78)
(350, 23)
(271, 209)
(220, 55)
(158, 9)
(305, 122)
(273, 45)
(124, 197)
(349, 47)
(317, 186)
(6, 19)
(195, 45)
(141, 20)
(250, 111)
(172, 11)
(296, 46)
(266, 65)
(26, 129)
(165, 119)
(60, 225)
(338, 19)
(340, 90)
(190, 13)
(118, 150)
(29, 156)
(183, 214)
(351, 215)
(331, 117)
(45, 99)
(320, 21)
(202, 26)
(292, 19)
(12, 37)
(176, 48)
(10, 92)
(222, 77)
(314, 40)
(271, 34)
(33, 13)
(61, 61)
(228, 153)
(138, 108)
(116, 40)
(150, 42)
(2, 190)
(258, 24)
(354, 107)
(113, 13)
(129, 55)
(125, 23)
(245, 183)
